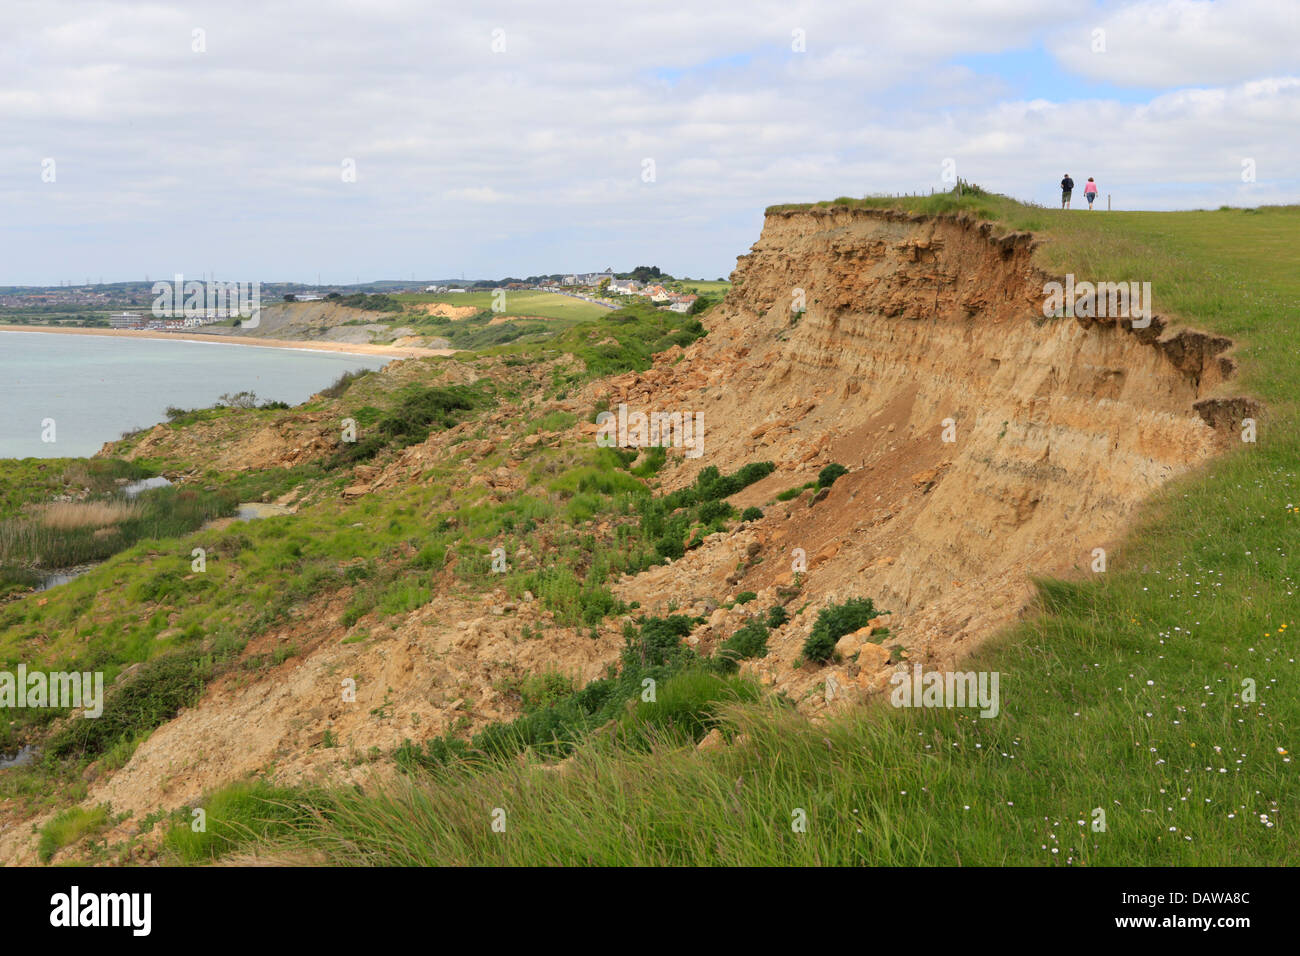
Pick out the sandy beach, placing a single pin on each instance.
(396, 351)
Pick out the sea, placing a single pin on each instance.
(83, 390)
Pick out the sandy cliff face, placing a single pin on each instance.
(1059, 427)
(913, 327)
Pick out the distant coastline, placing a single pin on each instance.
(396, 351)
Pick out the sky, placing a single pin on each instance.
(286, 140)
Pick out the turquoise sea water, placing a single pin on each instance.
(96, 387)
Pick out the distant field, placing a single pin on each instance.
(706, 286)
(548, 305)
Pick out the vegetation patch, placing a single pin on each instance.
(833, 622)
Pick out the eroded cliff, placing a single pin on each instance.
(918, 330)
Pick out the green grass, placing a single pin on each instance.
(231, 817)
(703, 286)
(29, 480)
(528, 302)
(69, 827)
(163, 512)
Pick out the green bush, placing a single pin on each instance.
(826, 477)
(751, 514)
(748, 642)
(544, 689)
(711, 511)
(777, 615)
(416, 415)
(670, 546)
(343, 383)
(653, 459)
(790, 493)
(665, 520)
(147, 699)
(378, 302)
(710, 485)
(437, 752)
(683, 709)
(561, 718)
(833, 622)
(411, 421)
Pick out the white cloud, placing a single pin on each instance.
(170, 160)
(1162, 43)
(476, 194)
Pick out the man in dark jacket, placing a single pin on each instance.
(1067, 186)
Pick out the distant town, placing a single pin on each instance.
(132, 305)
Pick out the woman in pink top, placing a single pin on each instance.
(1090, 192)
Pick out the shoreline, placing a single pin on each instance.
(394, 351)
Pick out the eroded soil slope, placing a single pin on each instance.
(913, 327)
(1060, 426)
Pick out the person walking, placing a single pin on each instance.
(1090, 192)
(1067, 187)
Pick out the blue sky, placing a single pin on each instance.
(509, 138)
(1033, 73)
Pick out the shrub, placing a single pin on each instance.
(777, 615)
(826, 477)
(654, 650)
(238, 399)
(751, 514)
(711, 485)
(437, 752)
(670, 546)
(544, 689)
(793, 492)
(748, 642)
(149, 698)
(659, 642)
(653, 459)
(363, 450)
(413, 419)
(711, 511)
(683, 708)
(377, 302)
(833, 622)
(343, 383)
(744, 597)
